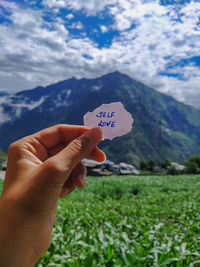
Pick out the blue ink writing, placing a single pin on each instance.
(105, 114)
(105, 123)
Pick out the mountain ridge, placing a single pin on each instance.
(163, 127)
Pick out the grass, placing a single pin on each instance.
(128, 221)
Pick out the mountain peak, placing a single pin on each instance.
(114, 74)
(163, 128)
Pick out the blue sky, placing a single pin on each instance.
(155, 42)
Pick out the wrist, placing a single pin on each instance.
(15, 249)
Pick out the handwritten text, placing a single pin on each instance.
(109, 123)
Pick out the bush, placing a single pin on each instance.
(193, 164)
(143, 165)
(166, 164)
(151, 165)
(3, 158)
(172, 170)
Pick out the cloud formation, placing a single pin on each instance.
(91, 7)
(154, 44)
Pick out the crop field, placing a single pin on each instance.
(128, 221)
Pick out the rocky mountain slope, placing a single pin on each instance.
(163, 127)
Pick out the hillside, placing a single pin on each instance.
(163, 127)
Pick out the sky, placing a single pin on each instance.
(154, 42)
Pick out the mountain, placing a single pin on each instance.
(3, 93)
(163, 127)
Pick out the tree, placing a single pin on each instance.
(3, 157)
(172, 170)
(151, 164)
(193, 164)
(143, 165)
(166, 164)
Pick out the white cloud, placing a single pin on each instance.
(54, 3)
(157, 40)
(29, 45)
(70, 16)
(97, 87)
(90, 6)
(8, 5)
(103, 28)
(17, 107)
(134, 12)
(152, 38)
(189, 92)
(77, 25)
(3, 116)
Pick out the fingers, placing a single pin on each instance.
(46, 142)
(56, 170)
(57, 134)
(51, 141)
(81, 178)
(78, 149)
(97, 155)
(76, 179)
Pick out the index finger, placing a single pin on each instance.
(52, 136)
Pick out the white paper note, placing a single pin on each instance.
(112, 118)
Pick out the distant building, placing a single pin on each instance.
(157, 169)
(116, 168)
(89, 163)
(95, 168)
(178, 166)
(128, 169)
(107, 167)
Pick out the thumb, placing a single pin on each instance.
(47, 183)
(61, 165)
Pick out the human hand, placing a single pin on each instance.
(41, 168)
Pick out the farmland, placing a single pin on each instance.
(128, 221)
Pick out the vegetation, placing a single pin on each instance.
(193, 164)
(152, 166)
(128, 221)
(3, 158)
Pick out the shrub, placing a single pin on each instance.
(193, 164)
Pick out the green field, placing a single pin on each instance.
(128, 221)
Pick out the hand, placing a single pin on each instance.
(41, 168)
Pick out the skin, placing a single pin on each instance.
(41, 168)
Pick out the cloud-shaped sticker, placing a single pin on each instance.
(112, 118)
